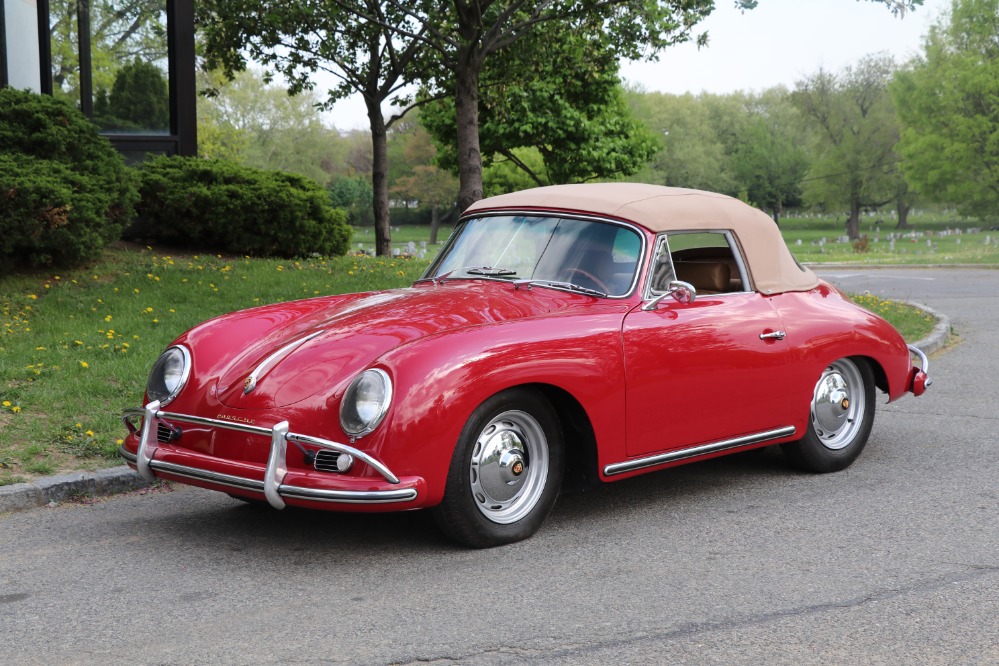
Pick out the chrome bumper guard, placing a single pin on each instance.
(920, 379)
(277, 467)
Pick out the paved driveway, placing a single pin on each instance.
(738, 560)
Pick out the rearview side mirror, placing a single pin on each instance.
(683, 292)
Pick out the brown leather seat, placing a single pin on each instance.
(707, 277)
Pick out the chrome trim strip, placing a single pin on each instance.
(694, 451)
(216, 423)
(126, 454)
(296, 492)
(273, 359)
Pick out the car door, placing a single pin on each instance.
(708, 370)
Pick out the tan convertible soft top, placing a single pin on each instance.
(659, 208)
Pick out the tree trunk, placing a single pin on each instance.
(435, 223)
(903, 208)
(853, 222)
(466, 106)
(379, 180)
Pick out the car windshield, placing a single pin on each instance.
(597, 256)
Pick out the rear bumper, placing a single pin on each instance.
(278, 485)
(919, 378)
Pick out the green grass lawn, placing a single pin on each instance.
(76, 346)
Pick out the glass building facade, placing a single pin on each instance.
(127, 64)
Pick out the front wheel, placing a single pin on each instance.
(505, 473)
(840, 421)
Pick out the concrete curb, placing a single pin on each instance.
(937, 338)
(24, 496)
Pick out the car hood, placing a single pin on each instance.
(322, 347)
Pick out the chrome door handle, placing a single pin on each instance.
(776, 335)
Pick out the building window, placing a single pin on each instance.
(127, 64)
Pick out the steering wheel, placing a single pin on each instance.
(590, 276)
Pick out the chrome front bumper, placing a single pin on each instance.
(272, 487)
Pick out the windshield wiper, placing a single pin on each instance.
(489, 271)
(485, 271)
(571, 286)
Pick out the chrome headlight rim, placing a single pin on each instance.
(159, 365)
(349, 401)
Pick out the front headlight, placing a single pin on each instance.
(169, 374)
(365, 403)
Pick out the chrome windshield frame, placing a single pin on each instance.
(640, 261)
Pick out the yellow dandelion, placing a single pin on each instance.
(15, 409)
(6, 403)
(84, 364)
(90, 433)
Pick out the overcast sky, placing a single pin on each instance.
(779, 42)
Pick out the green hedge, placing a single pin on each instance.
(222, 206)
(65, 192)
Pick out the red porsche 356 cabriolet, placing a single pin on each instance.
(567, 334)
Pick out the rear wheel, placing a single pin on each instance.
(505, 473)
(842, 414)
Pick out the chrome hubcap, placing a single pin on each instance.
(509, 467)
(838, 405)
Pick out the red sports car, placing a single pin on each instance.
(573, 334)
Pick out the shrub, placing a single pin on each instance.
(65, 192)
(50, 214)
(220, 205)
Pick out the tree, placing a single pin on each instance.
(376, 47)
(368, 46)
(856, 130)
(947, 103)
(138, 100)
(260, 125)
(562, 98)
(469, 32)
(433, 188)
(693, 154)
(769, 161)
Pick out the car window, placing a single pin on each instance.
(596, 255)
(708, 260)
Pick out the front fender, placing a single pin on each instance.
(439, 382)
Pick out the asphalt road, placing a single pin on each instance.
(738, 560)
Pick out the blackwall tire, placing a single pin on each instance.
(840, 418)
(506, 471)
